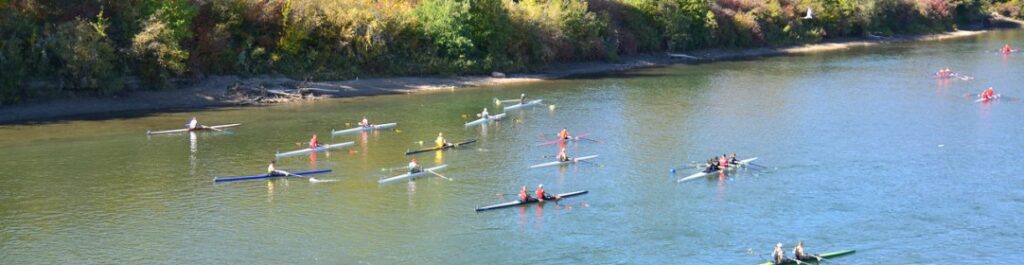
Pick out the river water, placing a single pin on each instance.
(860, 149)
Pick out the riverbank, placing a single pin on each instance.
(219, 91)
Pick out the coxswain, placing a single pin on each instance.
(541, 195)
(778, 256)
(414, 167)
(562, 157)
(313, 142)
(732, 159)
(192, 125)
(522, 98)
(988, 94)
(364, 123)
(564, 134)
(524, 196)
(798, 251)
(440, 141)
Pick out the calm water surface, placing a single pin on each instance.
(862, 150)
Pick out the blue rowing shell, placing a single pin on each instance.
(264, 176)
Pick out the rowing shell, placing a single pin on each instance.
(556, 163)
(994, 97)
(571, 138)
(412, 175)
(489, 118)
(520, 105)
(813, 260)
(310, 150)
(368, 128)
(697, 175)
(215, 127)
(517, 202)
(266, 176)
(440, 148)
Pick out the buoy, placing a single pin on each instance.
(551, 107)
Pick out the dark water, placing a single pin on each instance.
(862, 150)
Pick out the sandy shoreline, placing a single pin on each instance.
(212, 92)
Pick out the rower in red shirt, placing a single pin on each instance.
(541, 195)
(723, 162)
(1007, 48)
(313, 143)
(988, 94)
(564, 134)
(523, 195)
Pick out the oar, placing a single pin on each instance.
(212, 128)
(391, 169)
(439, 175)
(588, 139)
(592, 163)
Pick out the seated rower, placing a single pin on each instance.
(440, 141)
(778, 256)
(313, 142)
(562, 157)
(414, 167)
(272, 169)
(798, 251)
(364, 123)
(541, 195)
(732, 159)
(723, 162)
(1007, 48)
(524, 196)
(988, 94)
(712, 166)
(484, 114)
(564, 134)
(192, 125)
(522, 98)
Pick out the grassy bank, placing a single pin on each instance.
(66, 48)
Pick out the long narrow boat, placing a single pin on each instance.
(413, 152)
(697, 175)
(571, 138)
(489, 118)
(520, 105)
(201, 128)
(412, 175)
(318, 149)
(994, 97)
(363, 129)
(517, 202)
(266, 176)
(813, 260)
(557, 163)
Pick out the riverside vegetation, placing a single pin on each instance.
(52, 49)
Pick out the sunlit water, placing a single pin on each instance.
(862, 150)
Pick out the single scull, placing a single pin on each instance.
(215, 128)
(363, 129)
(413, 175)
(571, 138)
(533, 200)
(440, 148)
(487, 119)
(520, 105)
(318, 149)
(556, 163)
(697, 175)
(266, 176)
(994, 97)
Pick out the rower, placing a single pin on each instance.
(1007, 48)
(723, 162)
(541, 195)
(414, 167)
(564, 134)
(313, 142)
(522, 98)
(798, 251)
(440, 141)
(712, 166)
(272, 169)
(524, 196)
(778, 256)
(732, 159)
(484, 114)
(192, 125)
(364, 123)
(988, 94)
(562, 157)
